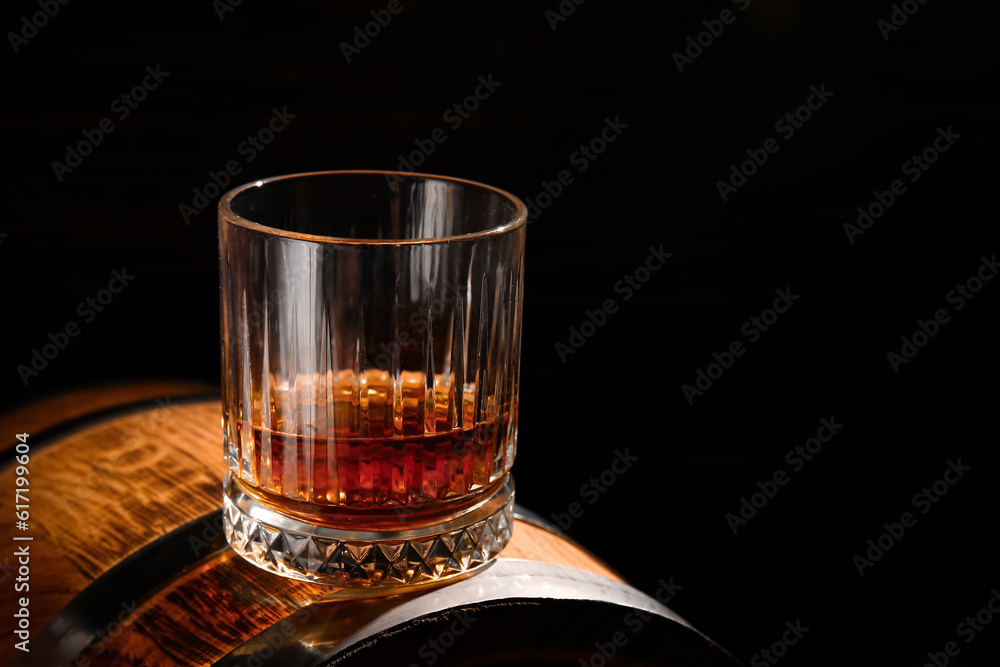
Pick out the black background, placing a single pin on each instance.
(656, 184)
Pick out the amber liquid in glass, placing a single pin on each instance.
(394, 450)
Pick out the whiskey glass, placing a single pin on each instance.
(370, 328)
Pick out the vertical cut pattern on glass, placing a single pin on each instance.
(370, 375)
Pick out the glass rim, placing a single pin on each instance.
(227, 215)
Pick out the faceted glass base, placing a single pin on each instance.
(323, 555)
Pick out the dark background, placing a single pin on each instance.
(656, 184)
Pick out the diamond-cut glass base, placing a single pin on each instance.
(323, 555)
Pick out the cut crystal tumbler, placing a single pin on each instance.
(371, 329)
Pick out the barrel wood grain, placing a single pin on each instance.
(102, 493)
(51, 411)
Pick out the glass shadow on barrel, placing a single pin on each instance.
(371, 335)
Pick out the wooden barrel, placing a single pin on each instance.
(121, 560)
